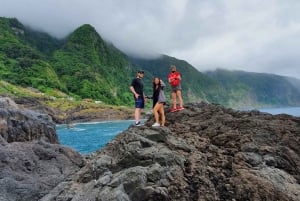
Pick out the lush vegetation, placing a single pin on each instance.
(84, 66)
(247, 89)
(91, 68)
(22, 64)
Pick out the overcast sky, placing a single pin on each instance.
(250, 35)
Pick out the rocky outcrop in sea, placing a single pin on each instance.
(32, 162)
(205, 152)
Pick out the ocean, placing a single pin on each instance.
(89, 137)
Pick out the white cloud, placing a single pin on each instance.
(250, 35)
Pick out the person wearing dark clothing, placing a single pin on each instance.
(159, 100)
(137, 88)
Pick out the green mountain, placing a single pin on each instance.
(246, 89)
(20, 62)
(91, 68)
(83, 65)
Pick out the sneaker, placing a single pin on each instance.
(173, 110)
(138, 123)
(156, 125)
(180, 108)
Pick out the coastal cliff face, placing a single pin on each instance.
(205, 152)
(32, 162)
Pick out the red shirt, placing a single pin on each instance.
(174, 78)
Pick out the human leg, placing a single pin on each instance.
(155, 112)
(137, 114)
(162, 114)
(139, 105)
(180, 100)
(173, 97)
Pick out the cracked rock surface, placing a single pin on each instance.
(205, 152)
(32, 162)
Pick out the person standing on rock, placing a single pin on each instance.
(174, 79)
(159, 100)
(137, 88)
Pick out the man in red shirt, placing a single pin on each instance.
(175, 82)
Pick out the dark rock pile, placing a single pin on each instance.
(31, 161)
(205, 152)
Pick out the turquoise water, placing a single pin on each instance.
(89, 137)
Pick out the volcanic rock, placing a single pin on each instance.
(32, 162)
(205, 152)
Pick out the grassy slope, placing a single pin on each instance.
(66, 109)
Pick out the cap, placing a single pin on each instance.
(141, 71)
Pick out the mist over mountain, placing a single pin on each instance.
(83, 65)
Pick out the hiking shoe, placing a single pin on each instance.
(156, 125)
(173, 110)
(138, 123)
(180, 108)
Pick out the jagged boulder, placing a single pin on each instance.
(32, 162)
(205, 152)
(20, 125)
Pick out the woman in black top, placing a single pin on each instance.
(159, 100)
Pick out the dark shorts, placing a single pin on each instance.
(176, 88)
(139, 102)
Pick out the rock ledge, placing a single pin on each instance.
(206, 152)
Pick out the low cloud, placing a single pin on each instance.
(250, 35)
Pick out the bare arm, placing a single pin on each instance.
(179, 77)
(136, 95)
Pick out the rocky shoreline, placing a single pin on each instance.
(205, 152)
(32, 162)
(81, 113)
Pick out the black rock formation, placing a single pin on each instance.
(205, 152)
(32, 162)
